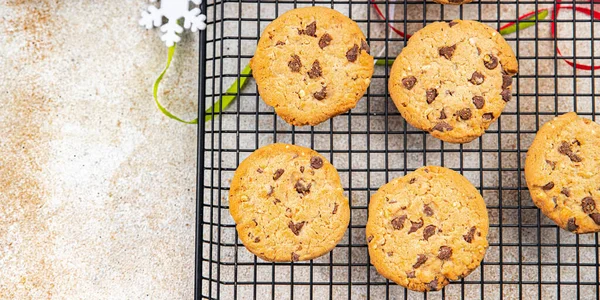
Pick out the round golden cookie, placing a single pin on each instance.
(562, 171)
(311, 64)
(453, 79)
(288, 204)
(427, 228)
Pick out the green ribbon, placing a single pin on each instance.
(225, 100)
(525, 23)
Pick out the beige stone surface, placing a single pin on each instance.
(97, 188)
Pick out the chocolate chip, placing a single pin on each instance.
(421, 259)
(369, 238)
(296, 227)
(409, 82)
(447, 51)
(445, 252)
(551, 163)
(276, 201)
(301, 187)
(565, 149)
(270, 191)
(315, 71)
(311, 29)
(506, 81)
(428, 232)
(596, 218)
(442, 114)
(278, 174)
(352, 54)
(279, 43)
(415, 226)
(398, 222)
(335, 207)
(488, 116)
(390, 254)
(571, 225)
(301, 169)
(295, 256)
(412, 180)
(469, 236)
(431, 94)
(295, 64)
(588, 205)
(259, 170)
(442, 126)
(257, 239)
(478, 101)
(325, 40)
(427, 210)
(320, 95)
(410, 274)
(452, 23)
(506, 95)
(316, 162)
(465, 113)
(565, 191)
(477, 78)
(433, 285)
(548, 186)
(490, 61)
(365, 46)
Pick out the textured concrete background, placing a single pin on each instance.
(97, 188)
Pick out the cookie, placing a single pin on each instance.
(311, 64)
(288, 204)
(427, 228)
(562, 170)
(453, 79)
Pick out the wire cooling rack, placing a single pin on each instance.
(529, 257)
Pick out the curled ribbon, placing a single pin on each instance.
(531, 16)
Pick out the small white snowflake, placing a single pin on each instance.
(174, 10)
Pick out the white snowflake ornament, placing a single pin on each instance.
(174, 10)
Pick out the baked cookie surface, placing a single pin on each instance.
(562, 170)
(453, 79)
(288, 204)
(312, 64)
(427, 228)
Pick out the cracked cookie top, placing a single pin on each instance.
(427, 228)
(311, 64)
(288, 204)
(562, 171)
(453, 79)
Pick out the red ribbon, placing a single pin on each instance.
(553, 16)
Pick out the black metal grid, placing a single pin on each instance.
(528, 257)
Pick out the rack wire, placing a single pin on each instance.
(528, 258)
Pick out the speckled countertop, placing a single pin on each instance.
(97, 188)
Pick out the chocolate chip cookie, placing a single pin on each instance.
(562, 171)
(312, 64)
(427, 228)
(288, 204)
(453, 79)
